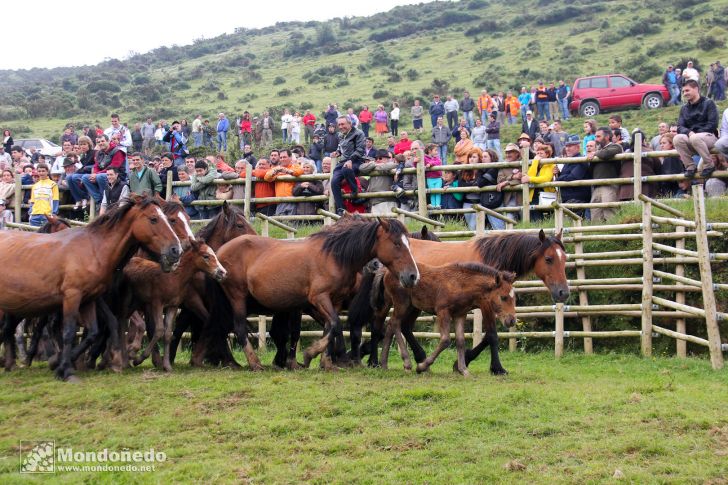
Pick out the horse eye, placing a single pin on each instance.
(173, 221)
(154, 220)
(504, 298)
(205, 256)
(549, 260)
(241, 226)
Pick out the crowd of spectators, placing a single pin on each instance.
(105, 165)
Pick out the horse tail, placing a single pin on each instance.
(219, 325)
(360, 311)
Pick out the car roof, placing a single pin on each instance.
(603, 75)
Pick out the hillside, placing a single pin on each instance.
(397, 55)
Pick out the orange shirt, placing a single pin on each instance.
(485, 104)
(262, 189)
(513, 105)
(284, 188)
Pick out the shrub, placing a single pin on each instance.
(485, 27)
(380, 94)
(279, 80)
(393, 76)
(484, 54)
(341, 82)
(105, 86)
(284, 92)
(140, 79)
(382, 58)
(221, 96)
(412, 74)
(713, 39)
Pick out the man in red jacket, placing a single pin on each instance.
(403, 145)
(309, 123)
(108, 154)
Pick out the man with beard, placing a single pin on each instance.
(606, 168)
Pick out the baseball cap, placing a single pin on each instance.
(529, 112)
(572, 140)
(2, 202)
(524, 135)
(512, 147)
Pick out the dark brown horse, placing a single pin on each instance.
(518, 253)
(69, 269)
(314, 274)
(449, 292)
(161, 294)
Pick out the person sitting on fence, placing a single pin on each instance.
(185, 194)
(308, 188)
(380, 183)
(143, 179)
(715, 187)
(539, 174)
(650, 166)
(697, 128)
(722, 144)
(108, 154)
(116, 190)
(284, 188)
(204, 188)
(44, 197)
(572, 172)
(351, 155)
(606, 168)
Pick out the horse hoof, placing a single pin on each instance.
(53, 362)
(167, 368)
(90, 364)
(465, 373)
(28, 362)
(256, 368)
(157, 361)
(137, 361)
(291, 364)
(421, 368)
(72, 379)
(407, 367)
(117, 369)
(306, 361)
(499, 372)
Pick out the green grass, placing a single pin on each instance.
(576, 420)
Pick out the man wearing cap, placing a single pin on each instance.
(669, 79)
(510, 176)
(571, 172)
(530, 126)
(691, 73)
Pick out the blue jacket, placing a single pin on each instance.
(562, 92)
(524, 99)
(437, 109)
(571, 172)
(223, 125)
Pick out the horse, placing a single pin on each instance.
(314, 274)
(157, 292)
(71, 268)
(518, 253)
(449, 292)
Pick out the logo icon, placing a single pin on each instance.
(37, 456)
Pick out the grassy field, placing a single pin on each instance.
(578, 420)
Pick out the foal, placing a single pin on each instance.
(449, 292)
(155, 291)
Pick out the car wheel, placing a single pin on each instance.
(589, 109)
(652, 101)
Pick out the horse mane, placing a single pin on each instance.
(206, 232)
(513, 252)
(350, 241)
(172, 208)
(483, 269)
(46, 228)
(118, 210)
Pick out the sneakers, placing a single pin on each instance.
(690, 173)
(707, 171)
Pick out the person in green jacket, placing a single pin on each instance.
(203, 187)
(143, 180)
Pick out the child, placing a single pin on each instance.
(433, 179)
(44, 197)
(453, 200)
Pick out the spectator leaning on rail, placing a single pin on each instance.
(284, 188)
(108, 154)
(697, 129)
(44, 198)
(380, 183)
(143, 179)
(204, 188)
(307, 189)
(351, 154)
(607, 168)
(116, 190)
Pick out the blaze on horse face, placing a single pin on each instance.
(154, 232)
(501, 298)
(550, 266)
(393, 250)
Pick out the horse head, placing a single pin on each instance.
(150, 227)
(206, 260)
(179, 220)
(501, 298)
(392, 248)
(550, 266)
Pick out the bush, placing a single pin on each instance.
(382, 58)
(714, 39)
(141, 79)
(484, 54)
(341, 82)
(412, 74)
(221, 96)
(639, 67)
(380, 94)
(393, 76)
(485, 27)
(279, 80)
(105, 86)
(284, 93)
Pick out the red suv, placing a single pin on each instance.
(592, 95)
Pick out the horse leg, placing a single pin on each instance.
(387, 342)
(35, 340)
(169, 318)
(240, 327)
(417, 350)
(355, 331)
(20, 339)
(279, 334)
(460, 343)
(491, 334)
(153, 313)
(135, 334)
(406, 322)
(88, 318)
(443, 323)
(11, 323)
(324, 306)
(111, 335)
(376, 329)
(294, 332)
(71, 307)
(472, 354)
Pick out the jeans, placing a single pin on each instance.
(284, 135)
(468, 115)
(308, 129)
(469, 218)
(433, 118)
(524, 108)
(96, 189)
(452, 119)
(38, 220)
(496, 223)
(674, 94)
(222, 141)
(394, 125)
(484, 117)
(495, 145)
(365, 128)
(719, 90)
(197, 137)
(434, 183)
(564, 103)
(443, 153)
(76, 187)
(342, 173)
(511, 119)
(543, 110)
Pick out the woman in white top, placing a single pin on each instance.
(394, 119)
(285, 125)
(295, 128)
(159, 134)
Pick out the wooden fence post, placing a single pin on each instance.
(682, 345)
(91, 209)
(583, 294)
(247, 205)
(168, 195)
(526, 215)
(479, 223)
(706, 278)
(512, 342)
(647, 268)
(421, 188)
(261, 333)
(264, 232)
(559, 334)
(332, 204)
(637, 164)
(18, 198)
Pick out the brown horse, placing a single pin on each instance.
(157, 292)
(69, 269)
(449, 292)
(518, 253)
(315, 274)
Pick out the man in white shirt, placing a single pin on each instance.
(197, 130)
(57, 166)
(148, 130)
(722, 144)
(451, 111)
(691, 73)
(120, 132)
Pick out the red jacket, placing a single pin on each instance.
(402, 146)
(309, 119)
(365, 116)
(246, 126)
(118, 159)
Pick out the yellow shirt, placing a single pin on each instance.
(540, 175)
(42, 195)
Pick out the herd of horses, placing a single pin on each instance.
(139, 270)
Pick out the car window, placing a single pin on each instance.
(599, 82)
(584, 84)
(32, 144)
(619, 82)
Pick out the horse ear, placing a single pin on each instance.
(175, 198)
(423, 232)
(508, 276)
(159, 198)
(558, 234)
(498, 280)
(384, 223)
(225, 207)
(541, 235)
